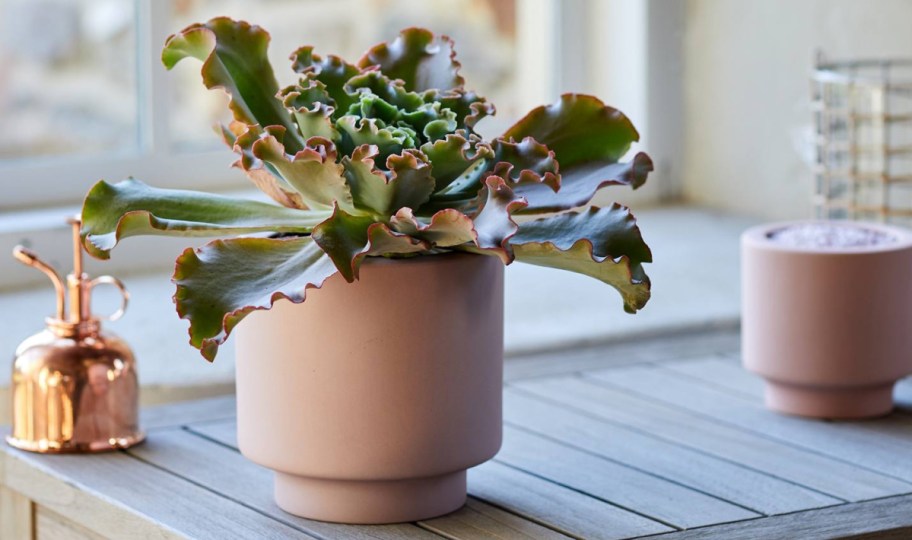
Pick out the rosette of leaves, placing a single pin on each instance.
(376, 158)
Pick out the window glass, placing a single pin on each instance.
(484, 31)
(67, 78)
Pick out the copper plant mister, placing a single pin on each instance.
(74, 387)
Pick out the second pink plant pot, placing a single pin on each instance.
(829, 329)
(371, 399)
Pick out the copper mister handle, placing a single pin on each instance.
(124, 294)
(77, 286)
(29, 258)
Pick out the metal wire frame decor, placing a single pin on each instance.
(863, 139)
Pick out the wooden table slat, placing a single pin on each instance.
(481, 521)
(728, 481)
(560, 508)
(826, 475)
(687, 344)
(50, 525)
(881, 519)
(874, 444)
(115, 493)
(223, 432)
(720, 372)
(227, 472)
(647, 494)
(178, 414)
(16, 511)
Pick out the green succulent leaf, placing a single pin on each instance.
(409, 182)
(392, 91)
(579, 129)
(348, 239)
(234, 59)
(604, 243)
(384, 242)
(225, 280)
(420, 59)
(307, 93)
(453, 156)
(526, 162)
(263, 176)
(468, 106)
(371, 106)
(446, 228)
(312, 108)
(580, 183)
(494, 225)
(432, 121)
(356, 131)
(332, 71)
(343, 236)
(229, 133)
(131, 208)
(312, 172)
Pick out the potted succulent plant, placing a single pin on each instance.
(394, 218)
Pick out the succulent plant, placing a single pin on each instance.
(376, 158)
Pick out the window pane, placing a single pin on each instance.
(483, 30)
(67, 77)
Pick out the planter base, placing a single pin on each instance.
(370, 502)
(823, 402)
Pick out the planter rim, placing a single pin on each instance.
(757, 237)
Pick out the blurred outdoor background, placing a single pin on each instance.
(719, 90)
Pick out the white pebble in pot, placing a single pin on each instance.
(829, 235)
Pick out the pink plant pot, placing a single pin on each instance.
(371, 399)
(829, 329)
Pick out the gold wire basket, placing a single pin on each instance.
(863, 139)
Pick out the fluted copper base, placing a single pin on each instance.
(68, 447)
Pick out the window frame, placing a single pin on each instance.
(41, 182)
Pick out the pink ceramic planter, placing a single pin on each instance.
(829, 329)
(371, 399)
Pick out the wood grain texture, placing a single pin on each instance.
(222, 431)
(118, 496)
(480, 521)
(874, 444)
(563, 509)
(223, 470)
(882, 519)
(16, 514)
(50, 525)
(586, 430)
(662, 500)
(826, 475)
(674, 347)
(177, 414)
(893, 430)
(638, 491)
(523, 495)
(721, 372)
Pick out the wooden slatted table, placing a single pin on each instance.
(666, 437)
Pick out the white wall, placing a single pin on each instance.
(635, 65)
(746, 91)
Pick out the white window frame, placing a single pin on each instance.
(63, 180)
